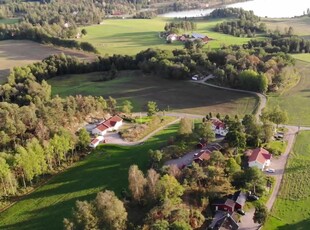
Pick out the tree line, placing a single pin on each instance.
(175, 27)
(247, 24)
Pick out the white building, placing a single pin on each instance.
(219, 127)
(259, 158)
(95, 142)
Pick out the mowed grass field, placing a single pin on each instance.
(107, 168)
(129, 36)
(170, 95)
(296, 101)
(22, 52)
(9, 20)
(291, 210)
(300, 25)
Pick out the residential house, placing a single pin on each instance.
(223, 221)
(111, 124)
(203, 155)
(198, 36)
(95, 142)
(100, 129)
(219, 127)
(259, 158)
(227, 205)
(240, 199)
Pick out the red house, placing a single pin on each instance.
(227, 205)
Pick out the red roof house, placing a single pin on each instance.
(259, 157)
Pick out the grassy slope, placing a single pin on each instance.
(129, 36)
(291, 209)
(169, 94)
(107, 168)
(296, 101)
(300, 25)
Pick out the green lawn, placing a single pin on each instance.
(292, 207)
(296, 101)
(129, 36)
(302, 57)
(9, 20)
(172, 95)
(107, 168)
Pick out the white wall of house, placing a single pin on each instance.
(96, 131)
(99, 138)
(257, 164)
(117, 125)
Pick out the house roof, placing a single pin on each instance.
(102, 127)
(204, 155)
(195, 35)
(94, 141)
(260, 155)
(218, 123)
(230, 203)
(109, 123)
(240, 198)
(223, 220)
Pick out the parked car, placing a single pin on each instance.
(270, 170)
(241, 212)
(195, 77)
(252, 197)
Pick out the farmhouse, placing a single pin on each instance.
(227, 205)
(172, 37)
(259, 158)
(111, 124)
(95, 142)
(203, 155)
(219, 127)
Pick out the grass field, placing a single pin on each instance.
(107, 168)
(300, 25)
(170, 95)
(9, 20)
(292, 207)
(296, 100)
(129, 36)
(18, 53)
(302, 57)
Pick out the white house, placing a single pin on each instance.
(111, 124)
(259, 158)
(100, 129)
(95, 142)
(219, 127)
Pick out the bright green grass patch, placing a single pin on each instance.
(107, 168)
(276, 147)
(170, 95)
(302, 57)
(9, 20)
(296, 101)
(129, 36)
(292, 207)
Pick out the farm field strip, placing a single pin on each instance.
(291, 209)
(170, 95)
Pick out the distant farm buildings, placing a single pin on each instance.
(186, 37)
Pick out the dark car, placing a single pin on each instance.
(241, 212)
(252, 197)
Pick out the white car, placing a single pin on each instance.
(270, 170)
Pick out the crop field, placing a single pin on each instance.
(170, 95)
(291, 209)
(300, 25)
(129, 36)
(106, 168)
(302, 57)
(296, 100)
(21, 52)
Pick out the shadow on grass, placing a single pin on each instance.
(107, 168)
